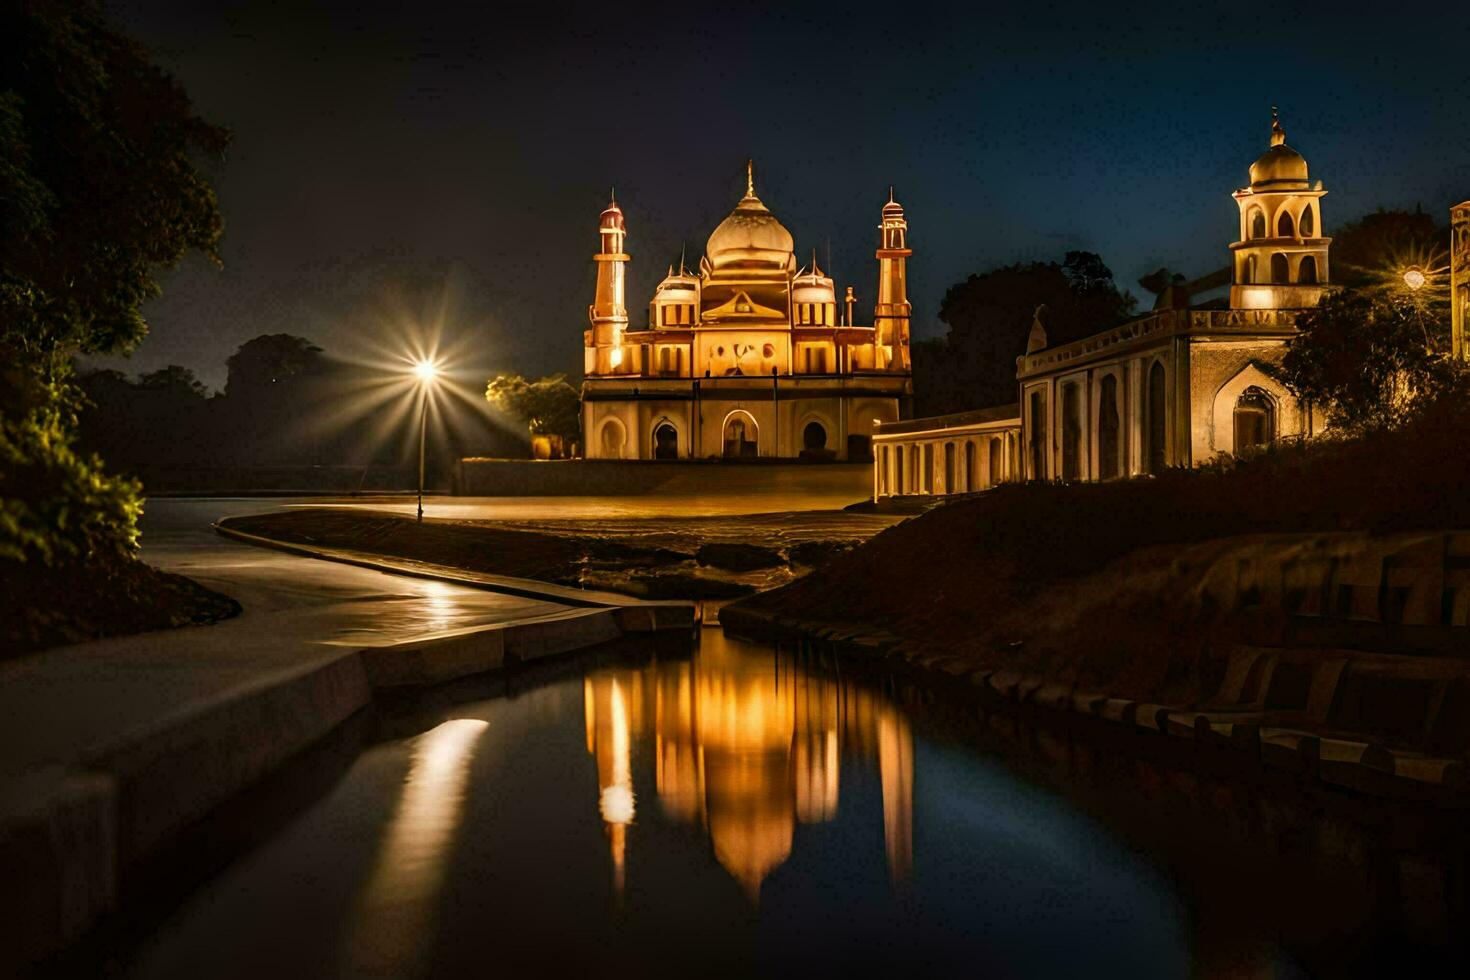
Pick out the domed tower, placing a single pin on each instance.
(747, 266)
(891, 315)
(609, 311)
(1280, 261)
(675, 301)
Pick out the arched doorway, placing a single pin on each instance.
(1307, 271)
(997, 461)
(1156, 429)
(614, 438)
(949, 469)
(1108, 463)
(665, 441)
(813, 439)
(1280, 268)
(972, 468)
(1255, 420)
(742, 437)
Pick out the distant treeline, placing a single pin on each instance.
(286, 405)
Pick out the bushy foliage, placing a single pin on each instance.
(548, 407)
(99, 191)
(1370, 358)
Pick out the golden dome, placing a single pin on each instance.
(750, 237)
(1280, 164)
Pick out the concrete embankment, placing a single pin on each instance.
(1342, 657)
(82, 805)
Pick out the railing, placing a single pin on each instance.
(1162, 324)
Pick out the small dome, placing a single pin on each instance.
(1280, 164)
(811, 286)
(892, 209)
(677, 287)
(612, 217)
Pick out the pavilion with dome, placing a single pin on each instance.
(1177, 387)
(750, 356)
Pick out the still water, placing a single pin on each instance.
(736, 812)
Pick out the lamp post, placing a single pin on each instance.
(1414, 278)
(426, 373)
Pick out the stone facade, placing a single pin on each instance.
(1460, 278)
(950, 454)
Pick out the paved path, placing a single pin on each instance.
(66, 704)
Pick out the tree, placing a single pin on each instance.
(1368, 357)
(989, 317)
(268, 360)
(1375, 249)
(174, 380)
(548, 407)
(100, 190)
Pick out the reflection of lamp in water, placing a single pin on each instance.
(399, 897)
(616, 800)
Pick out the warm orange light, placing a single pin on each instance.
(425, 371)
(1414, 278)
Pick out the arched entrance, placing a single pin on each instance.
(1156, 430)
(742, 437)
(997, 461)
(814, 438)
(1038, 436)
(665, 441)
(972, 468)
(1255, 420)
(1071, 432)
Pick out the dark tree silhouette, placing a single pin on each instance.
(989, 317)
(100, 189)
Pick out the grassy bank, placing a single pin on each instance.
(979, 577)
(46, 607)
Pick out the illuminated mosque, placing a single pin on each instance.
(1176, 387)
(751, 356)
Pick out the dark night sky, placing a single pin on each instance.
(469, 147)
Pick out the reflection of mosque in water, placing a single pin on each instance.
(747, 746)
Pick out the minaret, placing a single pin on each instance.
(609, 310)
(1280, 261)
(891, 316)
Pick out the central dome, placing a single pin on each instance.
(1280, 164)
(750, 237)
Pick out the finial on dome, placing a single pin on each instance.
(750, 178)
(890, 193)
(612, 197)
(682, 247)
(1278, 134)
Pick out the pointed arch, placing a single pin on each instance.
(1285, 226)
(1280, 268)
(1308, 222)
(1307, 271)
(1255, 220)
(1267, 397)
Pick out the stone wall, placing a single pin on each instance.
(608, 477)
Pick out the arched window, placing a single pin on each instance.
(1307, 271)
(1156, 431)
(1280, 268)
(949, 469)
(1071, 432)
(1308, 222)
(997, 461)
(741, 437)
(1108, 457)
(614, 437)
(972, 469)
(1285, 227)
(1249, 273)
(665, 442)
(1255, 420)
(813, 437)
(1038, 436)
(1257, 221)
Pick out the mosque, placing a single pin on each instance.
(1173, 388)
(751, 356)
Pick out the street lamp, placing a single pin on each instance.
(426, 372)
(1414, 278)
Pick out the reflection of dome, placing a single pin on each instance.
(750, 237)
(1280, 164)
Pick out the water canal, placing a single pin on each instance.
(743, 812)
